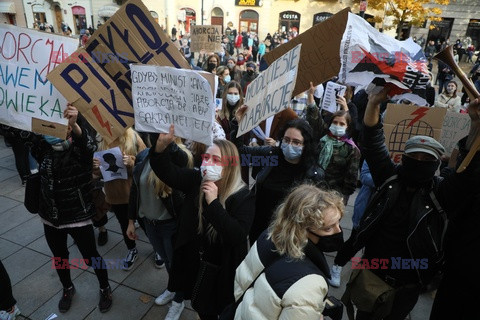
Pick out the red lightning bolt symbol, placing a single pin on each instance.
(420, 112)
(105, 124)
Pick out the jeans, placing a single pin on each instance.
(85, 240)
(6, 297)
(160, 234)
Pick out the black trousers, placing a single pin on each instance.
(6, 297)
(85, 240)
(121, 212)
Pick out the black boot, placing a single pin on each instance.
(105, 302)
(66, 301)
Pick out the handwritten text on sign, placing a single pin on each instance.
(25, 59)
(165, 95)
(129, 36)
(455, 127)
(271, 91)
(207, 38)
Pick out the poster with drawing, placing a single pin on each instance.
(111, 164)
(329, 102)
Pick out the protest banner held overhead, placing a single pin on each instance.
(164, 95)
(402, 122)
(207, 38)
(271, 92)
(100, 75)
(28, 100)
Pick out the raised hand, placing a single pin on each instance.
(164, 139)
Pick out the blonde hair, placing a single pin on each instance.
(162, 190)
(128, 143)
(302, 209)
(231, 181)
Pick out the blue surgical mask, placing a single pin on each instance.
(338, 131)
(290, 152)
(227, 79)
(233, 98)
(52, 140)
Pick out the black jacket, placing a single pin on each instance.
(232, 225)
(172, 202)
(66, 179)
(427, 224)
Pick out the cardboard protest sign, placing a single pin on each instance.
(455, 127)
(97, 79)
(368, 55)
(332, 90)
(111, 164)
(271, 92)
(319, 59)
(404, 121)
(29, 101)
(164, 95)
(207, 38)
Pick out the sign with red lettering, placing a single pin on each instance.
(28, 100)
(97, 78)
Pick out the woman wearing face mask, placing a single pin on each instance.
(284, 274)
(212, 62)
(235, 74)
(449, 99)
(224, 78)
(282, 167)
(240, 66)
(232, 99)
(221, 212)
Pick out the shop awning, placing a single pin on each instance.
(107, 11)
(7, 7)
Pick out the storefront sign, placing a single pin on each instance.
(248, 3)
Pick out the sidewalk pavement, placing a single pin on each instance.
(27, 258)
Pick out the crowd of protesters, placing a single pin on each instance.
(247, 240)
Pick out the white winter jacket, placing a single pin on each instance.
(286, 288)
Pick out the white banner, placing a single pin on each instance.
(28, 100)
(166, 95)
(329, 101)
(271, 92)
(366, 54)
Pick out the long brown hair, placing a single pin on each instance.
(231, 180)
(224, 113)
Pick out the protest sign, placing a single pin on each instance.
(218, 103)
(319, 59)
(455, 127)
(368, 55)
(164, 95)
(208, 38)
(404, 121)
(271, 92)
(29, 101)
(99, 75)
(111, 164)
(332, 90)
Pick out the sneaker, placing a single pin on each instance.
(105, 302)
(102, 238)
(66, 301)
(165, 298)
(159, 263)
(175, 310)
(10, 314)
(335, 272)
(130, 259)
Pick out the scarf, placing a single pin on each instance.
(331, 142)
(62, 146)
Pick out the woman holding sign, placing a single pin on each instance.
(219, 209)
(117, 191)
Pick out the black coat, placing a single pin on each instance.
(66, 179)
(232, 225)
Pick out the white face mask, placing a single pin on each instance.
(211, 172)
(338, 131)
(233, 98)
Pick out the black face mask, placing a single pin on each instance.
(211, 66)
(417, 173)
(330, 243)
(250, 72)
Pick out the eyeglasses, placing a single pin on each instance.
(293, 142)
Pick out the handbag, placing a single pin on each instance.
(32, 193)
(205, 288)
(369, 293)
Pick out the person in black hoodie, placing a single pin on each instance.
(218, 213)
(65, 203)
